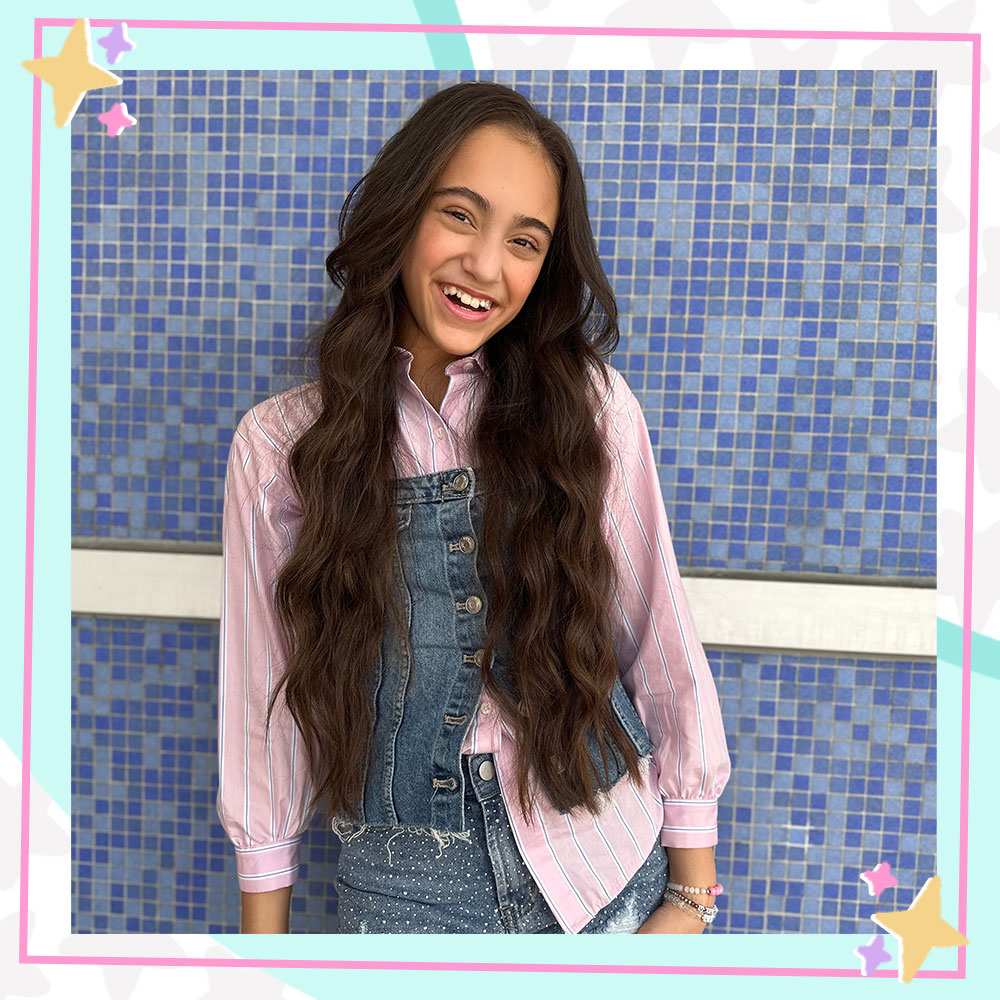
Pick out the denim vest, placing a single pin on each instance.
(425, 705)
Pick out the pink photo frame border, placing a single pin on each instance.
(475, 29)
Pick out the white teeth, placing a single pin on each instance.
(466, 298)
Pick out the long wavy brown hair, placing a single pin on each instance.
(540, 461)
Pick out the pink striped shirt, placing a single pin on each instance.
(580, 861)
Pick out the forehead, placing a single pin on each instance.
(514, 175)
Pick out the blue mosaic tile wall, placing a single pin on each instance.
(770, 236)
(833, 771)
(148, 852)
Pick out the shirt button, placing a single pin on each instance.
(466, 544)
(468, 366)
(486, 708)
(439, 432)
(473, 605)
(487, 771)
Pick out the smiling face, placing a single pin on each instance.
(479, 246)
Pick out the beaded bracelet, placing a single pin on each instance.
(712, 890)
(673, 893)
(706, 913)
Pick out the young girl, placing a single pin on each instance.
(451, 607)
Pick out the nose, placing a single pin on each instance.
(482, 259)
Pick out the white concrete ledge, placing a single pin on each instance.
(769, 614)
(835, 617)
(146, 584)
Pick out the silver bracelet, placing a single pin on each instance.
(707, 917)
(706, 913)
(690, 902)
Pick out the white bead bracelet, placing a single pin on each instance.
(712, 890)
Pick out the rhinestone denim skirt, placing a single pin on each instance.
(402, 881)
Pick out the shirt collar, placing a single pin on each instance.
(477, 359)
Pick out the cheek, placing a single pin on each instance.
(422, 255)
(432, 247)
(522, 283)
(413, 263)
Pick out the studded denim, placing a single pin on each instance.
(400, 881)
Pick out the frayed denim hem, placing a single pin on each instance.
(346, 830)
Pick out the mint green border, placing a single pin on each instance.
(51, 687)
(985, 654)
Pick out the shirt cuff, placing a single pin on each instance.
(261, 869)
(690, 823)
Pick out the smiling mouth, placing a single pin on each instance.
(475, 309)
(455, 295)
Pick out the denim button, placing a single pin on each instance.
(466, 544)
(478, 656)
(460, 481)
(473, 605)
(487, 771)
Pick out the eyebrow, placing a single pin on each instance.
(484, 206)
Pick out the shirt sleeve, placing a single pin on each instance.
(264, 781)
(663, 664)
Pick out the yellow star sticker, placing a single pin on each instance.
(920, 928)
(71, 73)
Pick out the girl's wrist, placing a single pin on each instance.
(691, 868)
(682, 913)
(691, 865)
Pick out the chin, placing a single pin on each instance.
(461, 343)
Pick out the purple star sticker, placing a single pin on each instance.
(879, 878)
(872, 955)
(116, 43)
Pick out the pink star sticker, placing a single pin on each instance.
(872, 955)
(116, 118)
(879, 878)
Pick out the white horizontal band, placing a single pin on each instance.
(742, 613)
(874, 619)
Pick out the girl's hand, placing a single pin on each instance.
(670, 919)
